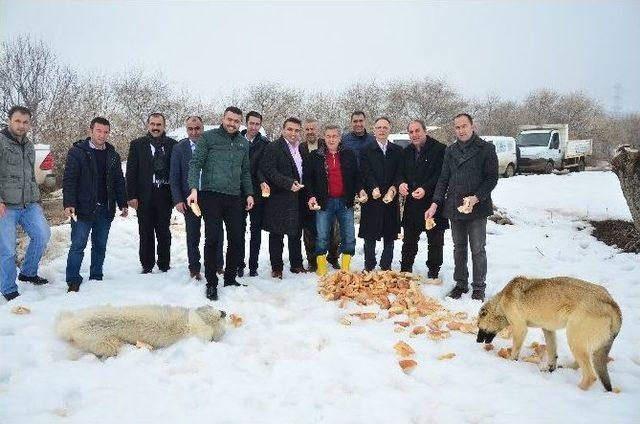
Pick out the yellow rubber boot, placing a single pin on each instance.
(322, 265)
(345, 263)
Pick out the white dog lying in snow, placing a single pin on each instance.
(103, 330)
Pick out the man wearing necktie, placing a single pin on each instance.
(148, 170)
(180, 190)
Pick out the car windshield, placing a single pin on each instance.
(533, 139)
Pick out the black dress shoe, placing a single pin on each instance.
(11, 296)
(96, 278)
(38, 281)
(212, 293)
(73, 287)
(457, 292)
(164, 269)
(147, 270)
(233, 283)
(334, 263)
(276, 274)
(478, 295)
(240, 272)
(298, 270)
(253, 273)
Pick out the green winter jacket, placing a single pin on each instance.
(18, 185)
(224, 161)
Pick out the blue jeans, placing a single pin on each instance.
(33, 222)
(335, 208)
(80, 230)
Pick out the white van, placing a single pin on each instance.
(506, 151)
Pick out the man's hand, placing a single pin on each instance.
(418, 193)
(181, 207)
(193, 197)
(69, 212)
(249, 203)
(362, 196)
(429, 213)
(133, 203)
(3, 210)
(124, 212)
(312, 203)
(296, 186)
(404, 189)
(473, 200)
(375, 193)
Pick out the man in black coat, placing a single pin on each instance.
(421, 166)
(179, 182)
(148, 171)
(282, 168)
(93, 185)
(380, 214)
(258, 143)
(469, 175)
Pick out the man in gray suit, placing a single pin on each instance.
(469, 174)
(179, 192)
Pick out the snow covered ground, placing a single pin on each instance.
(293, 362)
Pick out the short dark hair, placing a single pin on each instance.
(20, 109)
(417, 121)
(254, 114)
(99, 120)
(466, 115)
(156, 115)
(333, 127)
(233, 109)
(380, 118)
(358, 112)
(190, 117)
(292, 120)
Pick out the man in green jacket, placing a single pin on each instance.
(221, 164)
(19, 196)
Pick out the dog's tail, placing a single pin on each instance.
(601, 355)
(65, 325)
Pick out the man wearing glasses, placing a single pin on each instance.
(180, 190)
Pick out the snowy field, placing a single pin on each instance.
(293, 362)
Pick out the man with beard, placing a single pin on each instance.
(469, 175)
(257, 144)
(380, 214)
(220, 167)
(312, 142)
(19, 196)
(179, 177)
(358, 138)
(148, 170)
(420, 170)
(282, 167)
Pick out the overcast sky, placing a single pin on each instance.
(480, 47)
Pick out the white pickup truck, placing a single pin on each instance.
(544, 148)
(43, 166)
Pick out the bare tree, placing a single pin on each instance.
(275, 102)
(367, 97)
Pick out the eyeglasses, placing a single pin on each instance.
(194, 128)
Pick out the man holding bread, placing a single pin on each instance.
(469, 174)
(419, 173)
(220, 169)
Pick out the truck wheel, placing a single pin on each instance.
(581, 166)
(510, 171)
(548, 168)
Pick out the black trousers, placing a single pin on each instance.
(435, 245)
(256, 215)
(217, 208)
(276, 245)
(192, 225)
(370, 254)
(153, 224)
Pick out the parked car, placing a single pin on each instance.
(547, 147)
(44, 165)
(506, 151)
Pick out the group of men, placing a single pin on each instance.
(301, 185)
